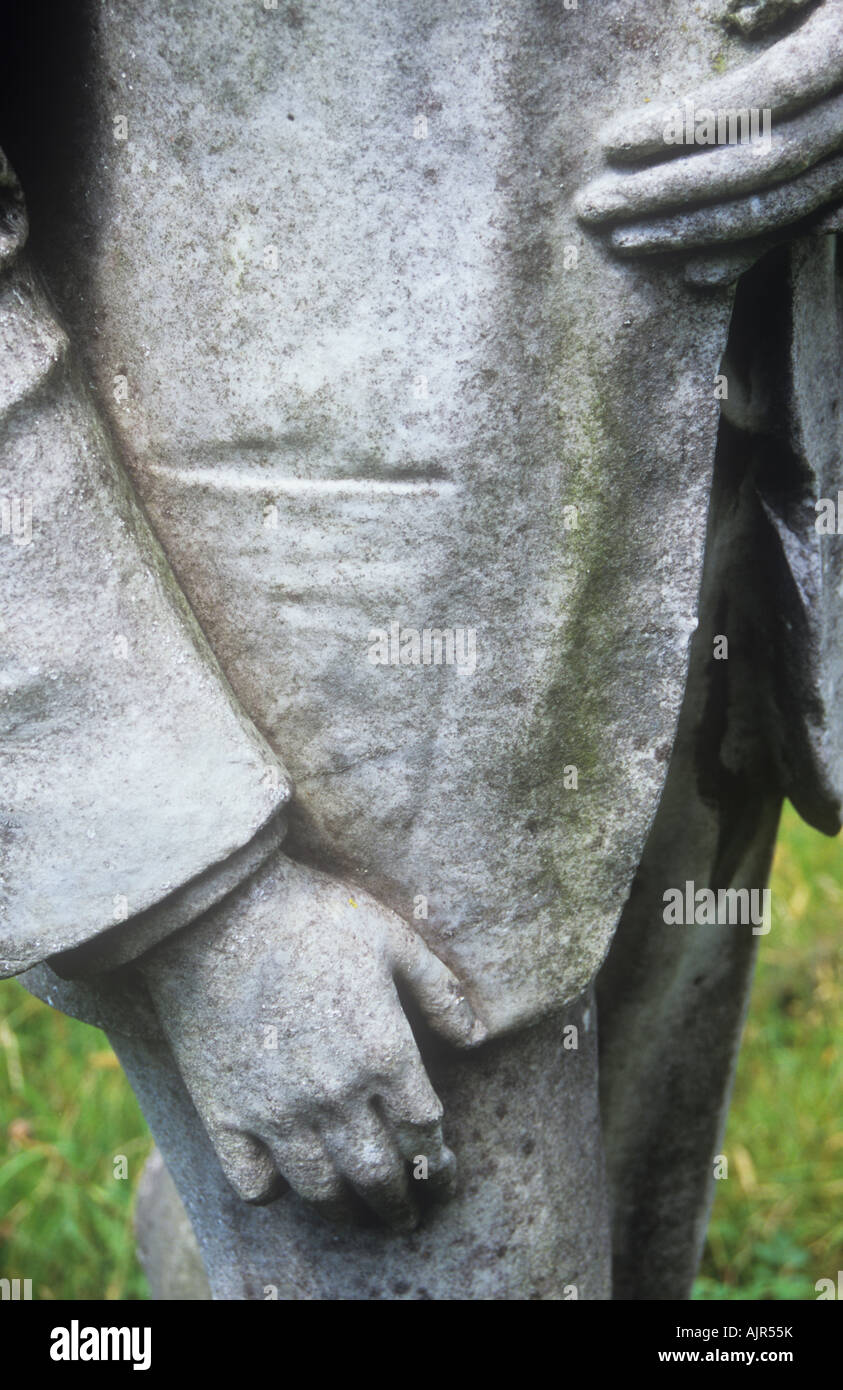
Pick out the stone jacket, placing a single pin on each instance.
(348, 381)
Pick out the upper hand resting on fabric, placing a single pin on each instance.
(748, 188)
(281, 1009)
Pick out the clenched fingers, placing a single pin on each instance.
(367, 1156)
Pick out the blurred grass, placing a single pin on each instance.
(777, 1223)
(66, 1111)
(777, 1226)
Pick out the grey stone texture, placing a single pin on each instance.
(336, 336)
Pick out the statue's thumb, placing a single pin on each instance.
(439, 994)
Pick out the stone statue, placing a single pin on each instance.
(411, 579)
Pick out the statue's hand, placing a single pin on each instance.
(748, 188)
(281, 1009)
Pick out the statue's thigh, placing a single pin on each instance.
(528, 1221)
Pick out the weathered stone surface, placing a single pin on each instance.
(167, 1247)
(365, 366)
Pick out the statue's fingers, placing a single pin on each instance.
(414, 1112)
(308, 1168)
(736, 220)
(794, 73)
(365, 1153)
(247, 1164)
(717, 173)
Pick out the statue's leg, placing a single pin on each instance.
(672, 1001)
(672, 998)
(529, 1220)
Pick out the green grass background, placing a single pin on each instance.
(66, 1112)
